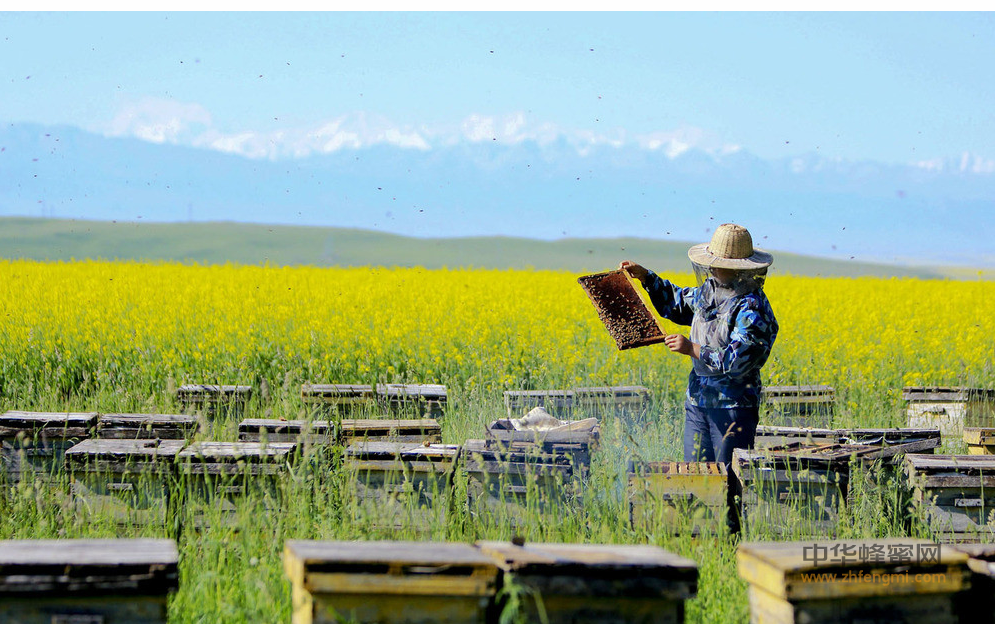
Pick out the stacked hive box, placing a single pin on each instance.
(954, 494)
(413, 400)
(213, 474)
(338, 399)
(597, 584)
(345, 431)
(212, 400)
(402, 483)
(33, 444)
(389, 582)
(504, 482)
(128, 479)
(950, 409)
(798, 406)
(680, 497)
(885, 580)
(980, 440)
(86, 581)
(559, 403)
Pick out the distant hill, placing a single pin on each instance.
(218, 243)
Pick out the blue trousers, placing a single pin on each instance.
(711, 434)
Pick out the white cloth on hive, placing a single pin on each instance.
(538, 419)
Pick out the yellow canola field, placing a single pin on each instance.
(80, 327)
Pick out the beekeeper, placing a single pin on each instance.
(732, 331)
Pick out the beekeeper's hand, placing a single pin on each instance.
(637, 271)
(680, 344)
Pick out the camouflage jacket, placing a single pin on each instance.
(735, 335)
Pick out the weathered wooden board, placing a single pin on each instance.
(594, 583)
(980, 440)
(773, 436)
(389, 582)
(678, 497)
(624, 314)
(305, 432)
(576, 444)
(135, 426)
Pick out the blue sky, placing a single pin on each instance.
(890, 87)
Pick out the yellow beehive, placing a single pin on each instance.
(677, 497)
(881, 580)
(980, 440)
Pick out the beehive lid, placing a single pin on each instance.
(147, 422)
(383, 427)
(951, 464)
(274, 425)
(804, 433)
(705, 469)
(123, 449)
(622, 310)
(213, 390)
(921, 439)
(337, 390)
(595, 561)
(530, 394)
(798, 394)
(980, 436)
(927, 394)
(230, 452)
(407, 451)
(72, 423)
(401, 391)
(811, 570)
(382, 567)
(88, 566)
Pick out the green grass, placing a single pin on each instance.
(230, 563)
(218, 243)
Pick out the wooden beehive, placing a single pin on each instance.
(128, 479)
(798, 406)
(305, 432)
(559, 403)
(576, 444)
(339, 399)
(622, 311)
(597, 584)
(503, 482)
(796, 491)
(950, 409)
(955, 495)
(417, 400)
(215, 474)
(33, 444)
(212, 400)
(138, 426)
(621, 400)
(678, 497)
(900, 579)
(770, 436)
(976, 604)
(389, 582)
(86, 581)
(402, 483)
(397, 430)
(980, 440)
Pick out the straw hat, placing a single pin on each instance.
(731, 248)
